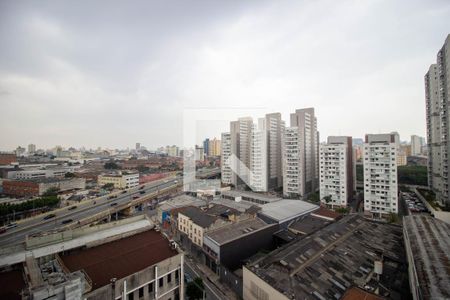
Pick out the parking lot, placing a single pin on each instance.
(413, 203)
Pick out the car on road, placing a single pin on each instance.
(72, 207)
(142, 192)
(47, 217)
(112, 197)
(66, 221)
(11, 225)
(124, 192)
(2, 230)
(113, 204)
(142, 187)
(135, 197)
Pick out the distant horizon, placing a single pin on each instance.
(80, 74)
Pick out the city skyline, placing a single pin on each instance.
(68, 77)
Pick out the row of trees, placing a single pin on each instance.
(44, 201)
(414, 175)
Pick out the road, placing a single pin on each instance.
(84, 209)
(211, 291)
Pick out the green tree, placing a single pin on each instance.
(53, 191)
(414, 175)
(111, 165)
(195, 289)
(142, 168)
(108, 186)
(393, 218)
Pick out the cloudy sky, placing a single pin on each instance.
(112, 73)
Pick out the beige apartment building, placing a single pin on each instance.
(120, 180)
(193, 222)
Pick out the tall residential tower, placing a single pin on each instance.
(301, 154)
(437, 90)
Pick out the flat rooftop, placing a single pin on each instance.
(180, 201)
(121, 258)
(330, 261)
(233, 231)
(429, 240)
(285, 210)
(249, 196)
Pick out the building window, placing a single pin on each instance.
(141, 292)
(169, 278)
(150, 288)
(131, 296)
(161, 282)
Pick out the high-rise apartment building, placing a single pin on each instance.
(259, 157)
(206, 146)
(224, 156)
(380, 174)
(301, 151)
(138, 146)
(213, 147)
(337, 171)
(417, 143)
(274, 127)
(241, 136)
(31, 148)
(437, 90)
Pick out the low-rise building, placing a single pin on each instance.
(7, 158)
(229, 245)
(256, 198)
(352, 252)
(427, 249)
(284, 211)
(38, 186)
(194, 223)
(121, 180)
(144, 265)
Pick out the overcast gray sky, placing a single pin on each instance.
(112, 73)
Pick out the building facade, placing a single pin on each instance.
(417, 143)
(275, 128)
(225, 154)
(301, 154)
(437, 89)
(258, 158)
(38, 186)
(380, 174)
(240, 137)
(337, 171)
(120, 180)
(213, 148)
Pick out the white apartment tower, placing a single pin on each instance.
(337, 171)
(240, 137)
(380, 174)
(417, 142)
(300, 152)
(224, 156)
(259, 157)
(437, 90)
